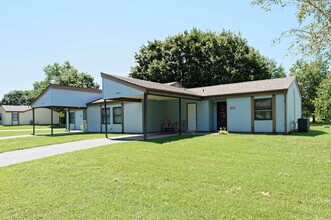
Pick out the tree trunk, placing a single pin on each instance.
(314, 119)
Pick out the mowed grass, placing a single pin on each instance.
(9, 133)
(37, 141)
(235, 176)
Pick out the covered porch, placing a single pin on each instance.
(70, 99)
(171, 111)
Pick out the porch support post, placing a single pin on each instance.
(52, 120)
(145, 115)
(106, 122)
(122, 109)
(33, 123)
(68, 120)
(180, 115)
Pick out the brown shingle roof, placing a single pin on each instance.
(16, 108)
(150, 85)
(249, 87)
(246, 87)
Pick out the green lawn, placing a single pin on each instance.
(235, 176)
(37, 141)
(8, 133)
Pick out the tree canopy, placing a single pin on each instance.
(309, 76)
(196, 58)
(312, 36)
(18, 97)
(323, 99)
(65, 74)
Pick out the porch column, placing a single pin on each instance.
(52, 120)
(105, 112)
(68, 120)
(180, 115)
(122, 109)
(145, 115)
(33, 123)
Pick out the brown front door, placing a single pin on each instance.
(221, 115)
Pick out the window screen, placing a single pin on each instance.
(117, 115)
(263, 109)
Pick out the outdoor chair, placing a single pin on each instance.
(166, 125)
(175, 126)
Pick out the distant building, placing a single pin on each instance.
(22, 115)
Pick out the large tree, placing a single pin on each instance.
(312, 36)
(309, 76)
(323, 99)
(18, 97)
(66, 75)
(196, 58)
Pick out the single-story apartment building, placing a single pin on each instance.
(22, 115)
(137, 106)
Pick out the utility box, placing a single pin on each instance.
(303, 125)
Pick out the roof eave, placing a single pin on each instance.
(245, 93)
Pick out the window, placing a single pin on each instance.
(263, 109)
(103, 115)
(117, 115)
(15, 116)
(84, 114)
(71, 117)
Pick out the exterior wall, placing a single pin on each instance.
(111, 89)
(93, 118)
(65, 98)
(6, 117)
(203, 116)
(280, 113)
(293, 111)
(116, 128)
(133, 117)
(42, 116)
(263, 125)
(44, 100)
(239, 114)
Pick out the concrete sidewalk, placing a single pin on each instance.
(19, 156)
(18, 136)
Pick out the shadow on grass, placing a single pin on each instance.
(164, 140)
(312, 133)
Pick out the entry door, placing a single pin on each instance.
(221, 115)
(192, 117)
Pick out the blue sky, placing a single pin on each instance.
(103, 36)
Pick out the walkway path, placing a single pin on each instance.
(19, 156)
(37, 129)
(18, 136)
